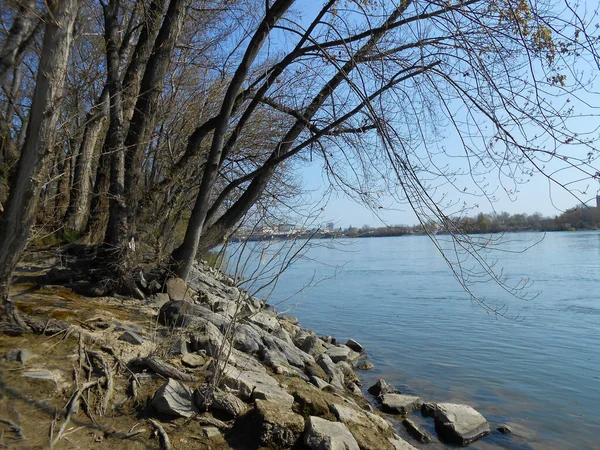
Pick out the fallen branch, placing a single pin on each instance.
(161, 368)
(73, 407)
(164, 438)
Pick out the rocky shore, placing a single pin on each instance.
(201, 365)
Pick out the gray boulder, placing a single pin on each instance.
(342, 353)
(186, 314)
(174, 398)
(52, 378)
(18, 355)
(294, 356)
(400, 444)
(267, 321)
(321, 434)
(382, 387)
(459, 424)
(400, 404)
(312, 345)
(320, 384)
(131, 337)
(278, 425)
(417, 432)
(178, 290)
(254, 385)
(355, 346)
(248, 338)
(335, 375)
(193, 360)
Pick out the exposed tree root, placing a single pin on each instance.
(164, 438)
(161, 368)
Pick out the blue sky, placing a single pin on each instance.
(537, 195)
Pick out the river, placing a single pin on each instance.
(423, 333)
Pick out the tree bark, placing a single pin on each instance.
(79, 202)
(116, 230)
(38, 146)
(98, 210)
(184, 255)
(144, 113)
(17, 35)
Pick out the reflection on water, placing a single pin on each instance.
(397, 297)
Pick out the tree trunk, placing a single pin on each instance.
(184, 255)
(38, 146)
(98, 210)
(17, 35)
(143, 49)
(79, 202)
(144, 113)
(116, 230)
(214, 234)
(96, 226)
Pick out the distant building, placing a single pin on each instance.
(285, 228)
(597, 201)
(329, 227)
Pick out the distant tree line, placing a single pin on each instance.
(581, 217)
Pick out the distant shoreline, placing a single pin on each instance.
(287, 237)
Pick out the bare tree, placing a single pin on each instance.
(39, 142)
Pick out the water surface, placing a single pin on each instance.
(398, 298)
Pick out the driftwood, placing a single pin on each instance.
(161, 368)
(164, 438)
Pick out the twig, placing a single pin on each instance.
(73, 407)
(109, 380)
(166, 443)
(14, 427)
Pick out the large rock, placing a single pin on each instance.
(417, 432)
(53, 379)
(312, 345)
(347, 414)
(254, 385)
(193, 360)
(355, 346)
(178, 290)
(309, 401)
(400, 444)
(458, 424)
(18, 355)
(267, 321)
(382, 387)
(174, 398)
(342, 353)
(334, 374)
(248, 338)
(294, 356)
(400, 404)
(278, 425)
(277, 361)
(321, 434)
(186, 314)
